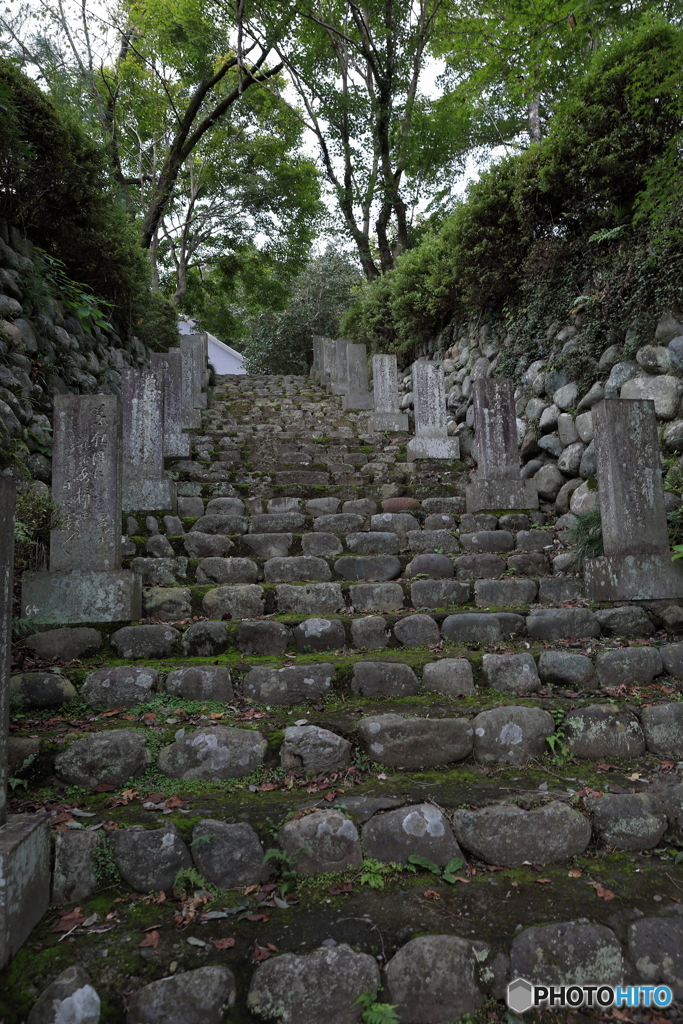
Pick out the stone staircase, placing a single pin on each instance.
(466, 773)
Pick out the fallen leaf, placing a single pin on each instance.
(174, 801)
(431, 894)
(459, 878)
(257, 917)
(271, 947)
(260, 953)
(196, 942)
(337, 890)
(150, 940)
(71, 919)
(103, 787)
(223, 943)
(249, 888)
(543, 881)
(601, 891)
(108, 714)
(575, 873)
(155, 798)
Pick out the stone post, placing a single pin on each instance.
(328, 353)
(192, 418)
(387, 411)
(357, 396)
(431, 439)
(497, 483)
(24, 838)
(176, 443)
(339, 373)
(315, 367)
(145, 488)
(636, 565)
(196, 344)
(85, 582)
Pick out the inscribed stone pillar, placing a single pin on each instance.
(637, 562)
(85, 582)
(145, 488)
(387, 411)
(497, 483)
(328, 352)
(339, 370)
(6, 570)
(192, 417)
(317, 341)
(176, 443)
(357, 396)
(431, 439)
(195, 343)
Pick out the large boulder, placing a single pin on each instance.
(69, 999)
(562, 623)
(323, 841)
(313, 749)
(200, 682)
(226, 854)
(191, 997)
(628, 821)
(506, 834)
(156, 641)
(451, 677)
(662, 725)
(567, 954)
(422, 829)
(602, 732)
(235, 602)
(655, 946)
(119, 686)
(511, 673)
(317, 988)
(218, 752)
(66, 643)
(292, 684)
(112, 757)
(628, 665)
(433, 979)
(514, 734)
(384, 679)
(415, 742)
(148, 860)
(665, 392)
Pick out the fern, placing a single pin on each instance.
(373, 1012)
(587, 535)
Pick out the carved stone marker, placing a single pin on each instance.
(85, 582)
(357, 395)
(387, 414)
(24, 838)
(315, 367)
(192, 418)
(328, 360)
(431, 439)
(193, 344)
(339, 371)
(145, 488)
(637, 562)
(497, 483)
(176, 443)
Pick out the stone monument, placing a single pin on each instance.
(357, 395)
(24, 838)
(144, 487)
(176, 443)
(636, 565)
(497, 483)
(85, 582)
(194, 343)
(387, 413)
(431, 439)
(339, 371)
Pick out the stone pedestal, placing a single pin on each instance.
(637, 559)
(357, 396)
(497, 484)
(24, 879)
(387, 415)
(82, 595)
(431, 439)
(145, 488)
(85, 582)
(176, 443)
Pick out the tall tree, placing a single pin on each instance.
(357, 69)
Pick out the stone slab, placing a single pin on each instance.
(432, 448)
(86, 482)
(81, 596)
(391, 422)
(24, 879)
(633, 577)
(496, 494)
(144, 487)
(176, 443)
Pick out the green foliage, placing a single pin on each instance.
(286, 867)
(55, 182)
(587, 535)
(190, 880)
(281, 342)
(35, 515)
(374, 873)
(448, 873)
(518, 248)
(374, 1012)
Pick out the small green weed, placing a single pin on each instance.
(374, 1012)
(448, 873)
(374, 873)
(286, 864)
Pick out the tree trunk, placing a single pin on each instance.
(534, 120)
